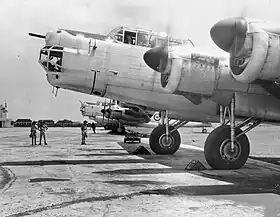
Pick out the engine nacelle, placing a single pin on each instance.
(254, 49)
(185, 69)
(64, 39)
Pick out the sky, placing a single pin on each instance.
(23, 82)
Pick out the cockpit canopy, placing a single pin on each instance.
(142, 37)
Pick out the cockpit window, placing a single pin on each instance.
(143, 39)
(156, 41)
(130, 37)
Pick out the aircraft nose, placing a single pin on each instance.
(224, 32)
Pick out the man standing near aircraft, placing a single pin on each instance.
(84, 132)
(93, 127)
(33, 133)
(42, 128)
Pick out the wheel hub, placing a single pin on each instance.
(166, 141)
(227, 153)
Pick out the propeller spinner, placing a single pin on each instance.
(230, 34)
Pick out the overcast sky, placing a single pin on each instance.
(23, 82)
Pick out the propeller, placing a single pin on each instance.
(230, 35)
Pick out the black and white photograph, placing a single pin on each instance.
(167, 108)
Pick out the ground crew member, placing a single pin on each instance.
(93, 127)
(84, 132)
(33, 132)
(42, 128)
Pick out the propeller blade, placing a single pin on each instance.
(36, 35)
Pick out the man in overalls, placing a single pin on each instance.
(84, 132)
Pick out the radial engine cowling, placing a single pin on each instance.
(64, 39)
(184, 69)
(169, 62)
(253, 47)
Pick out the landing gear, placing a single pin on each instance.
(165, 138)
(218, 152)
(160, 143)
(227, 146)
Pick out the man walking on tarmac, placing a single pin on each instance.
(42, 128)
(93, 127)
(84, 132)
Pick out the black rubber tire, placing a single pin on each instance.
(154, 140)
(212, 149)
(204, 130)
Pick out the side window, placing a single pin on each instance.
(160, 42)
(152, 41)
(142, 39)
(119, 36)
(130, 37)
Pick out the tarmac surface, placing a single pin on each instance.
(103, 178)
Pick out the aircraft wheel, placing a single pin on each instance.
(204, 130)
(217, 149)
(159, 142)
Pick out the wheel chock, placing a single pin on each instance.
(195, 165)
(141, 150)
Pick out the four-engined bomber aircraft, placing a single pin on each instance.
(115, 116)
(177, 77)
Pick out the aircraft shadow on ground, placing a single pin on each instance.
(70, 162)
(273, 160)
(241, 181)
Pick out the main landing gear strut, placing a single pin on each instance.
(226, 147)
(165, 138)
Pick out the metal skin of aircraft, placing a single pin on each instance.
(184, 80)
(110, 116)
